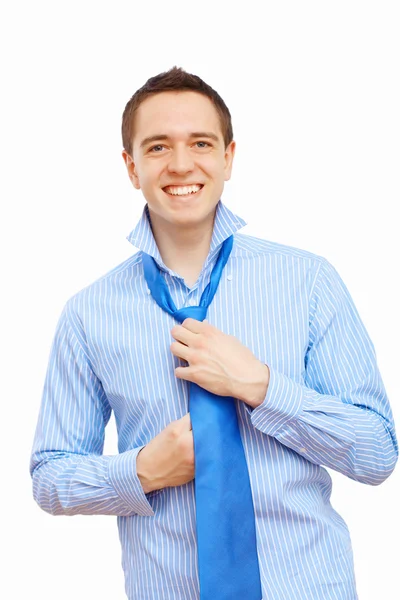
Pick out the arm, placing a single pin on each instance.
(70, 474)
(339, 416)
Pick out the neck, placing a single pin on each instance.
(183, 249)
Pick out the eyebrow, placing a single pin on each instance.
(195, 134)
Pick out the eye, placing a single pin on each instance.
(206, 144)
(153, 149)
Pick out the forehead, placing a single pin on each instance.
(176, 114)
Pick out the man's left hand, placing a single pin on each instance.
(218, 362)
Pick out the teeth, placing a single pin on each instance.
(182, 191)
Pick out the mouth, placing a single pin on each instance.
(183, 192)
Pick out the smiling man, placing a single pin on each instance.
(181, 161)
(237, 369)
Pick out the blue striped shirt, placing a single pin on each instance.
(325, 407)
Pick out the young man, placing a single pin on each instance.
(282, 341)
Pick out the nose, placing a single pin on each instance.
(181, 161)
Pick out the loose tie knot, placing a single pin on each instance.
(194, 312)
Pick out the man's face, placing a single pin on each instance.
(178, 142)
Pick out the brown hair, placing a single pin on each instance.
(176, 79)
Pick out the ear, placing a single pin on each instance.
(130, 167)
(229, 154)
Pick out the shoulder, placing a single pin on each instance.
(290, 266)
(288, 262)
(107, 286)
(248, 245)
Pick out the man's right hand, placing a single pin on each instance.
(168, 459)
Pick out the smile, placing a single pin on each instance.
(183, 191)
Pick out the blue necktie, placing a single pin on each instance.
(226, 535)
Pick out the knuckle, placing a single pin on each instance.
(194, 359)
(185, 448)
(173, 430)
(188, 458)
(181, 444)
(200, 358)
(202, 343)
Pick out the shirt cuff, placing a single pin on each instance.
(283, 402)
(124, 479)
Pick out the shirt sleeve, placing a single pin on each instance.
(339, 415)
(69, 472)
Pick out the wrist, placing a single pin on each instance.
(147, 480)
(255, 391)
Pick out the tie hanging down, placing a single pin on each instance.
(225, 523)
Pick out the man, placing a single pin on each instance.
(282, 337)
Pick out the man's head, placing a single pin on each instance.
(174, 80)
(177, 131)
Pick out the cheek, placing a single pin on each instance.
(148, 177)
(214, 167)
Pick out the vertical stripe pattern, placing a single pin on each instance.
(325, 407)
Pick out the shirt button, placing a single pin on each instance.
(148, 291)
(229, 277)
(303, 449)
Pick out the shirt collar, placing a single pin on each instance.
(225, 224)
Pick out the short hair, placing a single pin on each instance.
(176, 79)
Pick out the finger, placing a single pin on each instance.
(187, 440)
(182, 335)
(180, 351)
(193, 325)
(186, 421)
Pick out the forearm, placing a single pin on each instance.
(343, 434)
(332, 408)
(95, 485)
(69, 471)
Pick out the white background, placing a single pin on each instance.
(313, 88)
